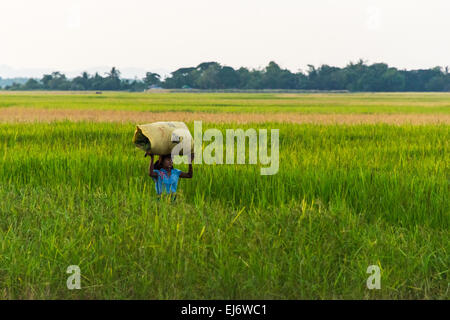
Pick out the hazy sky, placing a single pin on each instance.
(165, 35)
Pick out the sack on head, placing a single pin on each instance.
(160, 138)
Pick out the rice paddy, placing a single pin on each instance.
(268, 103)
(346, 196)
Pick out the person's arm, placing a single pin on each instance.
(188, 174)
(152, 173)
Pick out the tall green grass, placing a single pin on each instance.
(345, 197)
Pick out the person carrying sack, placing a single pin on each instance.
(166, 177)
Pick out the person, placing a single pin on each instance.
(166, 177)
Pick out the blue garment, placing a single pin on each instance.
(164, 183)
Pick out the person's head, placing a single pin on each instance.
(164, 162)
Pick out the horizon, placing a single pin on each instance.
(127, 73)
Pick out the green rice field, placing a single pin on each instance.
(362, 103)
(345, 197)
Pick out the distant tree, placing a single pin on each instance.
(137, 86)
(276, 78)
(353, 73)
(209, 78)
(255, 80)
(243, 75)
(358, 76)
(46, 80)
(376, 77)
(55, 81)
(181, 77)
(114, 73)
(437, 83)
(205, 65)
(152, 79)
(32, 84)
(81, 82)
(97, 82)
(272, 76)
(14, 86)
(229, 77)
(393, 80)
(112, 81)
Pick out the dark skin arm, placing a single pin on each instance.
(188, 175)
(151, 173)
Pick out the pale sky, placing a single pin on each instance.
(70, 35)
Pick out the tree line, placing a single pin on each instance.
(358, 76)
